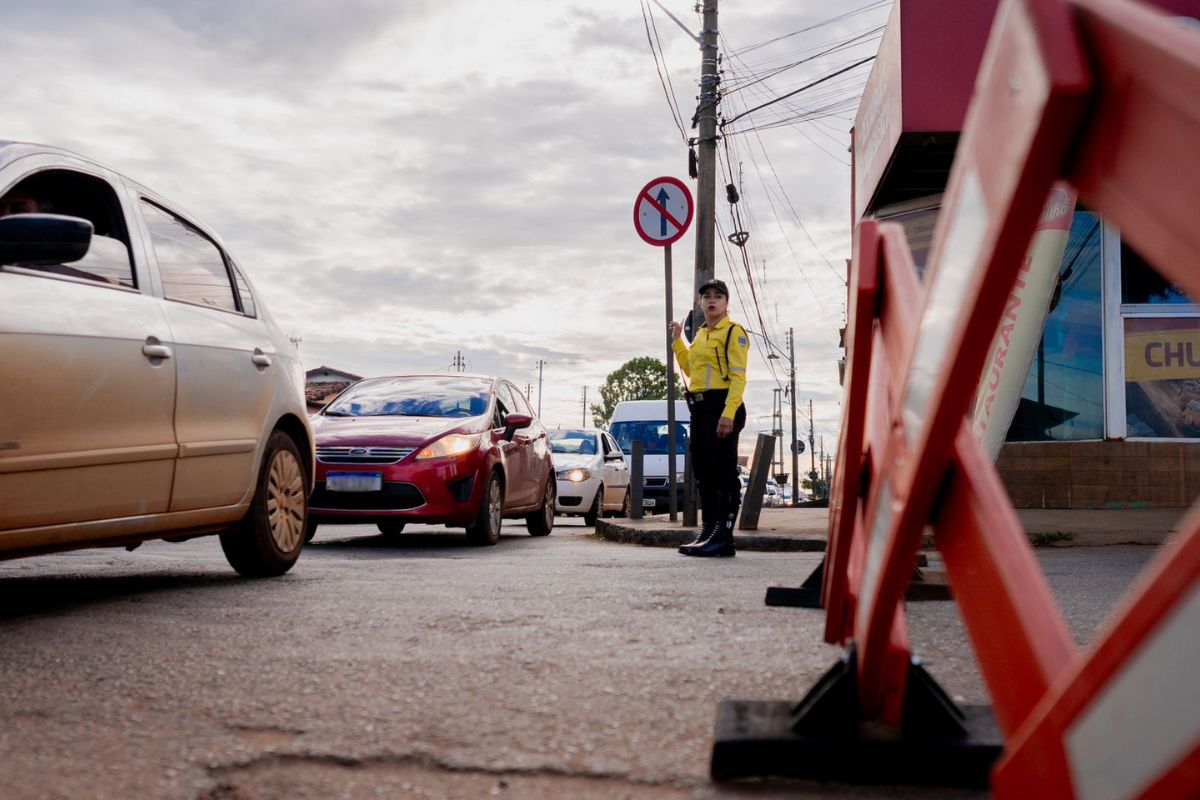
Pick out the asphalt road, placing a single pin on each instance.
(556, 667)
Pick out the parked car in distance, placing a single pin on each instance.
(459, 450)
(157, 399)
(772, 496)
(593, 478)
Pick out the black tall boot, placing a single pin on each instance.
(713, 519)
(720, 544)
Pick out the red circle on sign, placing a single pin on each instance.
(681, 226)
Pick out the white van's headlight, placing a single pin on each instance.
(575, 475)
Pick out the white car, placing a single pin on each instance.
(591, 471)
(772, 497)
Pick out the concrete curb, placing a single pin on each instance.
(664, 535)
(614, 531)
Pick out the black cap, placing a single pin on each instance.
(713, 283)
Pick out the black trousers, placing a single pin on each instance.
(714, 461)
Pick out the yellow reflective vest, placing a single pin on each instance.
(705, 364)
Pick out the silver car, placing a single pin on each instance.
(147, 392)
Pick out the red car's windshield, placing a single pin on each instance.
(417, 396)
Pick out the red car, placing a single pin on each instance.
(463, 450)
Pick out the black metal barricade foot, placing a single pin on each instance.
(806, 595)
(821, 738)
(928, 585)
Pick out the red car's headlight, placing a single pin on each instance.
(456, 444)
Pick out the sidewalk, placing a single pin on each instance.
(807, 528)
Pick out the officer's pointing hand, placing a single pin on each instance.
(674, 328)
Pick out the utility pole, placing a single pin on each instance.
(541, 364)
(824, 469)
(812, 450)
(706, 160)
(792, 379)
(459, 363)
(584, 423)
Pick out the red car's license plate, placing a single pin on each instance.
(354, 481)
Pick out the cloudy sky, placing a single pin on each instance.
(405, 179)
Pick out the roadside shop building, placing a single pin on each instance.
(1109, 416)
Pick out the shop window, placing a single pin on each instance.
(1142, 285)
(1063, 396)
(1162, 354)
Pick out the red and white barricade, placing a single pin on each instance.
(1104, 95)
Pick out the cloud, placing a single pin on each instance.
(403, 181)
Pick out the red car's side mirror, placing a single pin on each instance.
(514, 421)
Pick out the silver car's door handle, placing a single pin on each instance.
(260, 358)
(156, 351)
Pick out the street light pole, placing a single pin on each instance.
(539, 405)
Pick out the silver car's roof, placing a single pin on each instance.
(10, 151)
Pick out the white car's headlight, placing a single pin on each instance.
(456, 444)
(575, 475)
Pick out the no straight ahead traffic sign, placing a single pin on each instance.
(662, 211)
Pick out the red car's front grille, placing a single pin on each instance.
(361, 455)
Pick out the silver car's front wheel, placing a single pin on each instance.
(285, 500)
(269, 538)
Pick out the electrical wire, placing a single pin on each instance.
(823, 23)
(672, 104)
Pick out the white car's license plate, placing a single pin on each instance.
(647, 502)
(354, 481)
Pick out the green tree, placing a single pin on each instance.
(641, 378)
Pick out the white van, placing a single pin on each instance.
(646, 420)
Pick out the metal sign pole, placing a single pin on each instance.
(672, 500)
(661, 214)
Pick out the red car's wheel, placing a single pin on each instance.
(485, 530)
(541, 522)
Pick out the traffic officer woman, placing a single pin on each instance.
(715, 366)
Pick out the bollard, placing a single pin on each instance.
(689, 491)
(635, 477)
(760, 467)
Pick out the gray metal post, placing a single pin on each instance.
(635, 477)
(672, 501)
(760, 468)
(689, 491)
